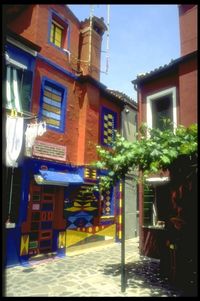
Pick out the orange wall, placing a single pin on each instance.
(89, 123)
(32, 24)
(25, 23)
(70, 136)
(188, 28)
(155, 86)
(82, 125)
(188, 92)
(185, 80)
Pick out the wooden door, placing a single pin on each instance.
(42, 205)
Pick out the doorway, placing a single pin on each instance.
(41, 213)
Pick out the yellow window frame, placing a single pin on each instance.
(56, 33)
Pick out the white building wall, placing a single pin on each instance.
(128, 131)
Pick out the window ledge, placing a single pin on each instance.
(154, 227)
(158, 180)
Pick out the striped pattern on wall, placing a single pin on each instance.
(119, 225)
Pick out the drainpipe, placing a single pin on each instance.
(69, 54)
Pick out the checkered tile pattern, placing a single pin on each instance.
(108, 128)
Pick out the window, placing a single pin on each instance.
(148, 202)
(56, 34)
(161, 109)
(108, 126)
(18, 87)
(156, 203)
(58, 31)
(53, 104)
(161, 105)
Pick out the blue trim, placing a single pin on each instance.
(104, 111)
(60, 177)
(24, 193)
(31, 167)
(13, 238)
(66, 25)
(57, 67)
(55, 240)
(21, 56)
(58, 86)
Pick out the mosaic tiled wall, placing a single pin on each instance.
(83, 212)
(107, 204)
(81, 207)
(108, 125)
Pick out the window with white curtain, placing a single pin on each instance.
(18, 87)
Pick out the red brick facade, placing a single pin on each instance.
(84, 101)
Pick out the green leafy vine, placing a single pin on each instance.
(153, 151)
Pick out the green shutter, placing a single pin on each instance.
(148, 198)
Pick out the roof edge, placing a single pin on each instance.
(173, 64)
(102, 87)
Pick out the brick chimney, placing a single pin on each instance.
(188, 28)
(90, 46)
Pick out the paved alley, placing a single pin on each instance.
(95, 272)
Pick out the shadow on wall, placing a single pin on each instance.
(11, 14)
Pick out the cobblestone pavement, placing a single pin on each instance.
(95, 272)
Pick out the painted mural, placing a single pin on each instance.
(89, 216)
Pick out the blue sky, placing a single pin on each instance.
(141, 38)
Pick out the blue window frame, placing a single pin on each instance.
(53, 104)
(108, 126)
(58, 31)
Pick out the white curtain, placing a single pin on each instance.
(12, 89)
(14, 139)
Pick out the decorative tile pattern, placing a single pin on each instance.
(108, 129)
(24, 245)
(90, 174)
(109, 124)
(107, 204)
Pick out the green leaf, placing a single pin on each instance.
(165, 159)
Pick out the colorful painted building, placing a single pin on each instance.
(170, 91)
(53, 60)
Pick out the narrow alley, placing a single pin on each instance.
(92, 272)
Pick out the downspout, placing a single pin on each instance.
(69, 54)
(140, 187)
(139, 103)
